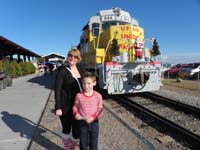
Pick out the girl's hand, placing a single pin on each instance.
(89, 119)
(59, 112)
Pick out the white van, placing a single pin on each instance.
(189, 71)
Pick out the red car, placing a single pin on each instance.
(173, 72)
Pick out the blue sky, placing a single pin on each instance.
(46, 26)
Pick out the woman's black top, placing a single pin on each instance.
(66, 88)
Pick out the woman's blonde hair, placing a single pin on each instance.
(75, 52)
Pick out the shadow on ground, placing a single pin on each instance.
(26, 128)
(46, 80)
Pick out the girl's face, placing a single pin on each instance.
(72, 59)
(88, 84)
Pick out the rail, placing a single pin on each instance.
(192, 139)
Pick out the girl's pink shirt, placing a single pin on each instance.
(88, 106)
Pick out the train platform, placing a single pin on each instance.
(28, 121)
(21, 107)
(115, 134)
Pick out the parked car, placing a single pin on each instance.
(189, 71)
(166, 66)
(196, 75)
(173, 72)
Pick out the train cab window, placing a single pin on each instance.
(105, 25)
(108, 24)
(113, 23)
(94, 25)
(95, 29)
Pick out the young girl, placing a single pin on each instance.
(87, 108)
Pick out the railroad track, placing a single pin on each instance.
(181, 119)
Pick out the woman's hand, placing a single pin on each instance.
(78, 117)
(59, 112)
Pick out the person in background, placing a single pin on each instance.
(67, 85)
(45, 69)
(51, 67)
(88, 108)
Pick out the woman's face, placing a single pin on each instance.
(72, 59)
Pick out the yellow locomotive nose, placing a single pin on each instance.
(109, 48)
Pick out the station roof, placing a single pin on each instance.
(52, 55)
(8, 47)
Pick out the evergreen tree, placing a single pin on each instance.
(114, 46)
(155, 48)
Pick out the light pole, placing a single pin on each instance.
(149, 47)
(150, 40)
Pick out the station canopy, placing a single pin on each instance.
(8, 48)
(53, 57)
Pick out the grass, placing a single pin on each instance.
(187, 84)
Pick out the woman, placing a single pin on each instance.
(67, 84)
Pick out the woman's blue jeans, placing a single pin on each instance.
(89, 134)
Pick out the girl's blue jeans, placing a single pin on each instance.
(89, 134)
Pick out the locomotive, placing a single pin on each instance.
(112, 46)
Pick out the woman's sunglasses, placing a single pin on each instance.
(70, 55)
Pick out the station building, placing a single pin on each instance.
(54, 57)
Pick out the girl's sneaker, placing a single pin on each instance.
(68, 144)
(74, 144)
